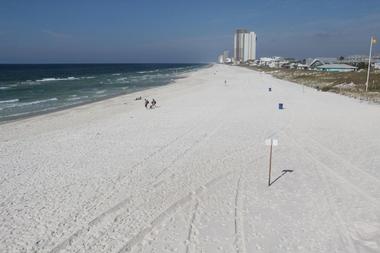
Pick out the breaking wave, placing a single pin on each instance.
(32, 103)
(8, 101)
(50, 79)
(148, 71)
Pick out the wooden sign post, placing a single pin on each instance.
(271, 143)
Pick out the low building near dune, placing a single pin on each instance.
(354, 59)
(264, 61)
(336, 68)
(289, 65)
(224, 58)
(272, 62)
(314, 63)
(227, 60)
(303, 66)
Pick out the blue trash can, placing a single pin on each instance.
(280, 106)
(269, 89)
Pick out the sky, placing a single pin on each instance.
(143, 31)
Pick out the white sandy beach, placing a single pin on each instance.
(191, 175)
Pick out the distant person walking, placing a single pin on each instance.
(146, 103)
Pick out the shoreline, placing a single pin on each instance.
(13, 119)
(68, 107)
(80, 114)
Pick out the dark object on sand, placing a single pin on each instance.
(153, 103)
(280, 106)
(146, 103)
(138, 98)
(269, 89)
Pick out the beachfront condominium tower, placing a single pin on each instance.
(244, 46)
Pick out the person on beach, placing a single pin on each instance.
(146, 103)
(225, 82)
(153, 103)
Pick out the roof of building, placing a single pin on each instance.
(267, 59)
(336, 66)
(321, 60)
(272, 59)
(356, 56)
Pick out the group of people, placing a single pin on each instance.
(152, 104)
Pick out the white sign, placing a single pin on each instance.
(269, 142)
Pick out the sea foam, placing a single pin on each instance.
(50, 79)
(9, 101)
(31, 103)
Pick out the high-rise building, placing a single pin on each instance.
(239, 45)
(244, 46)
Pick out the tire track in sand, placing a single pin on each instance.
(167, 213)
(368, 188)
(330, 200)
(343, 181)
(99, 218)
(154, 182)
(238, 219)
(192, 235)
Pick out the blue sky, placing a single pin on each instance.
(181, 31)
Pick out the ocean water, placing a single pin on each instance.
(29, 89)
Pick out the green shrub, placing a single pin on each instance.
(326, 88)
